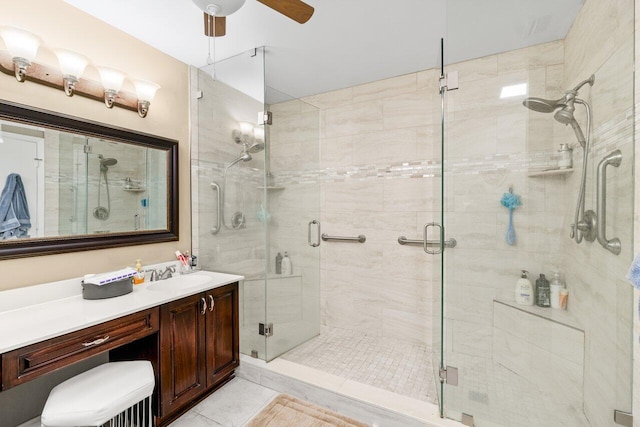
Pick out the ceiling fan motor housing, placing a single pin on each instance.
(219, 7)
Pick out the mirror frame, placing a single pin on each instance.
(55, 245)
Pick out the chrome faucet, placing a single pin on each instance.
(153, 275)
(167, 273)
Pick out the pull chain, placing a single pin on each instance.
(212, 41)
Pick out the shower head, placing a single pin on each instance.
(108, 162)
(564, 107)
(105, 163)
(256, 147)
(542, 105)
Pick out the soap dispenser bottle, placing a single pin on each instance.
(138, 278)
(524, 290)
(279, 263)
(543, 292)
(557, 286)
(286, 265)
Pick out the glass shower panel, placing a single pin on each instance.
(527, 365)
(292, 197)
(228, 173)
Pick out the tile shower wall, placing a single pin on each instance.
(377, 174)
(216, 114)
(600, 296)
(241, 251)
(374, 173)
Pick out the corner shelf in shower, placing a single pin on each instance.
(549, 172)
(135, 190)
(270, 188)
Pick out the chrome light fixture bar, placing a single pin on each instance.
(18, 59)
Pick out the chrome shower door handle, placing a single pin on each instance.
(612, 159)
(317, 242)
(216, 228)
(426, 240)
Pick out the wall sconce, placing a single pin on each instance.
(146, 91)
(258, 134)
(112, 81)
(22, 46)
(72, 65)
(244, 134)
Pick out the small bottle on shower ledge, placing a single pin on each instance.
(565, 161)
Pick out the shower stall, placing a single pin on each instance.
(386, 198)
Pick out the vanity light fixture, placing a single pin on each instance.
(146, 91)
(21, 49)
(22, 46)
(72, 65)
(112, 81)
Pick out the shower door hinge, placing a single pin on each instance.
(266, 330)
(265, 118)
(623, 418)
(88, 149)
(449, 375)
(449, 81)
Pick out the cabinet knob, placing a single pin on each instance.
(203, 310)
(211, 302)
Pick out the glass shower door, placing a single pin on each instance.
(521, 365)
(292, 218)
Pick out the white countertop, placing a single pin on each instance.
(58, 308)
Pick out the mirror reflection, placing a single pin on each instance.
(57, 183)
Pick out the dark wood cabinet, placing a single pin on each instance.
(30, 362)
(182, 352)
(193, 344)
(199, 345)
(223, 349)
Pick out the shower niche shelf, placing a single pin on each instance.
(270, 188)
(549, 172)
(135, 189)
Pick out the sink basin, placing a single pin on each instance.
(179, 283)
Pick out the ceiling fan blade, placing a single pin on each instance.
(297, 10)
(220, 25)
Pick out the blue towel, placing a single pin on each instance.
(14, 210)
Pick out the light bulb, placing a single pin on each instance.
(112, 82)
(72, 65)
(22, 46)
(146, 90)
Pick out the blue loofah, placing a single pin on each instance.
(634, 272)
(510, 201)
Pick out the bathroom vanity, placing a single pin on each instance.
(186, 326)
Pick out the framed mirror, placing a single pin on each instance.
(70, 184)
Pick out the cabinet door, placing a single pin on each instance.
(223, 351)
(182, 352)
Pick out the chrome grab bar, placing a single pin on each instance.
(360, 239)
(612, 159)
(450, 243)
(215, 229)
(317, 243)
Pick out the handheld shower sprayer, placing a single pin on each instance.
(564, 113)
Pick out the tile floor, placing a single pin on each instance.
(225, 408)
(392, 365)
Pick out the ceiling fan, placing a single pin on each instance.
(216, 11)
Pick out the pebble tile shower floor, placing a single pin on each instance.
(393, 365)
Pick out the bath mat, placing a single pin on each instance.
(286, 411)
